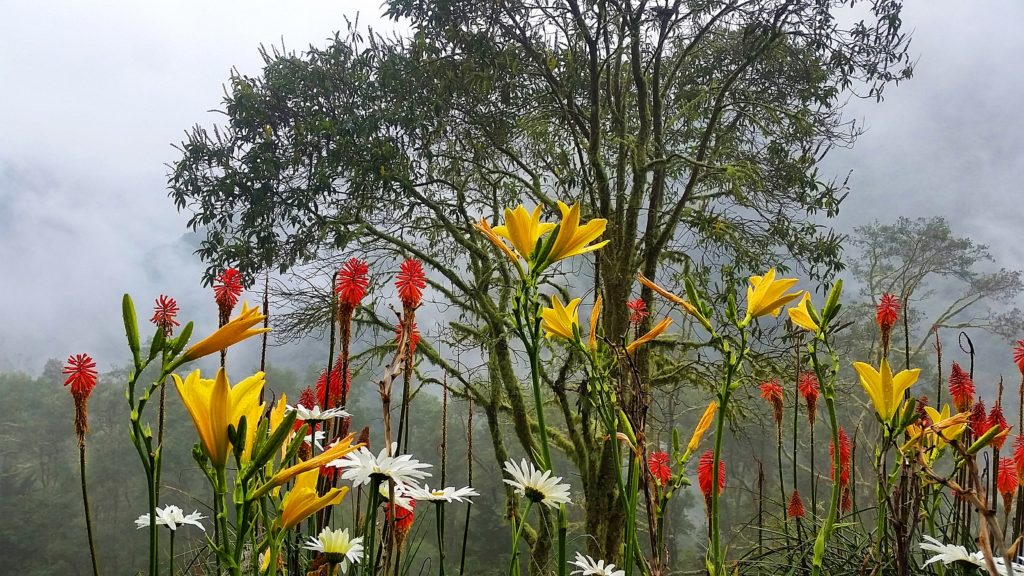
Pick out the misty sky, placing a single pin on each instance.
(94, 95)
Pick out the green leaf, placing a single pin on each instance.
(131, 328)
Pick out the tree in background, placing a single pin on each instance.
(921, 260)
(694, 128)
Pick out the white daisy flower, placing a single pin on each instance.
(337, 547)
(361, 466)
(403, 498)
(538, 486)
(315, 414)
(316, 439)
(172, 517)
(590, 567)
(948, 553)
(448, 494)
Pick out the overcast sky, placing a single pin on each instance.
(94, 94)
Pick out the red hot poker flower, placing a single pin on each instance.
(796, 506)
(996, 418)
(887, 311)
(1018, 355)
(637, 311)
(658, 463)
(961, 388)
(353, 280)
(771, 392)
(1018, 454)
(808, 385)
(81, 371)
(410, 283)
(1007, 480)
(403, 520)
(846, 501)
(226, 289)
(845, 452)
(705, 474)
(338, 387)
(978, 419)
(164, 312)
(414, 338)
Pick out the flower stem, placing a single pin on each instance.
(716, 562)
(439, 514)
(513, 566)
(371, 527)
(170, 555)
(830, 403)
(88, 514)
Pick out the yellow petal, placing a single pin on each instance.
(651, 335)
(870, 380)
(220, 414)
(702, 427)
(239, 328)
(595, 313)
(801, 317)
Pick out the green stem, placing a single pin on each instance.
(88, 513)
(513, 566)
(716, 562)
(826, 528)
(370, 530)
(170, 557)
(439, 514)
(465, 539)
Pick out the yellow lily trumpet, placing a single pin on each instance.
(801, 316)
(302, 501)
(239, 328)
(945, 426)
(339, 449)
(560, 320)
(523, 229)
(595, 314)
(702, 427)
(214, 405)
(766, 295)
(651, 335)
(489, 233)
(573, 239)
(884, 389)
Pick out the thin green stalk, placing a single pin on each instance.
(826, 528)
(439, 515)
(717, 561)
(513, 566)
(170, 556)
(88, 513)
(371, 527)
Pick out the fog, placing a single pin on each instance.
(95, 95)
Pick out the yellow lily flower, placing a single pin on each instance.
(572, 238)
(651, 335)
(801, 317)
(239, 328)
(689, 308)
(277, 414)
(488, 233)
(702, 427)
(883, 388)
(595, 313)
(214, 405)
(523, 229)
(560, 320)
(302, 501)
(339, 449)
(944, 426)
(766, 295)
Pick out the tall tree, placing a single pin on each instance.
(694, 128)
(921, 260)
